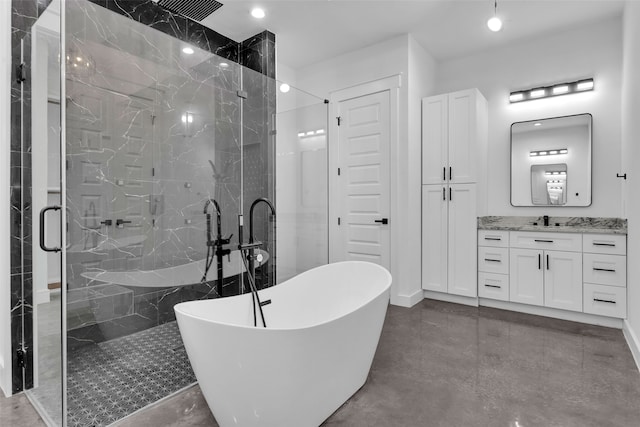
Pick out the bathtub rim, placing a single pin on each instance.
(177, 309)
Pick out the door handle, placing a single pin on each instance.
(43, 244)
(444, 194)
(382, 221)
(547, 261)
(450, 194)
(450, 173)
(444, 173)
(120, 222)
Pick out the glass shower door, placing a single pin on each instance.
(44, 102)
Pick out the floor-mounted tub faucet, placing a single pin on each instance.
(215, 247)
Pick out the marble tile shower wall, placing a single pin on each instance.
(180, 225)
(24, 14)
(151, 148)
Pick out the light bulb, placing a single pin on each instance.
(188, 50)
(284, 88)
(257, 13)
(494, 24)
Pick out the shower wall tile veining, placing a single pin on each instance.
(152, 134)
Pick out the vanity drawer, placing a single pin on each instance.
(613, 244)
(605, 300)
(495, 238)
(494, 286)
(493, 260)
(570, 242)
(605, 269)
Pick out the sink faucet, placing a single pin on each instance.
(546, 220)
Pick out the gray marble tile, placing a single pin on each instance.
(557, 224)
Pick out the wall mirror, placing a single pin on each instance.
(551, 161)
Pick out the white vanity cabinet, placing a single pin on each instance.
(493, 264)
(449, 239)
(454, 138)
(454, 130)
(605, 275)
(567, 271)
(546, 269)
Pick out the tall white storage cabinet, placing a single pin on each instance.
(454, 146)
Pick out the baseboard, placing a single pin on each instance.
(407, 300)
(555, 313)
(457, 299)
(632, 341)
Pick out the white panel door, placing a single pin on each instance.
(364, 178)
(435, 134)
(434, 237)
(462, 137)
(526, 278)
(463, 240)
(563, 280)
(132, 175)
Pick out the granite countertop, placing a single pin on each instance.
(558, 224)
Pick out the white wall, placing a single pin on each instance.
(630, 155)
(399, 55)
(5, 137)
(589, 51)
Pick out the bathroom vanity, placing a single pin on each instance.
(571, 266)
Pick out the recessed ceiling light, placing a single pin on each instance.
(284, 88)
(188, 50)
(257, 13)
(224, 65)
(537, 124)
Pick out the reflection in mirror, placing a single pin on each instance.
(542, 154)
(549, 184)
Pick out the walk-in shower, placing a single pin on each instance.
(132, 135)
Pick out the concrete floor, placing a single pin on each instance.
(441, 364)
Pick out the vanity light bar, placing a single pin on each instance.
(554, 90)
(548, 152)
(555, 173)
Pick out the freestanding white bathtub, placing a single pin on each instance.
(323, 328)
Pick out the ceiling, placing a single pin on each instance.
(309, 31)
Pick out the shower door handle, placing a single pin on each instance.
(43, 244)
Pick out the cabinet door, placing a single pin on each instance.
(563, 280)
(463, 240)
(434, 139)
(526, 278)
(434, 238)
(463, 136)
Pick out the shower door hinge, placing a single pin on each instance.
(153, 171)
(339, 120)
(21, 73)
(242, 94)
(20, 356)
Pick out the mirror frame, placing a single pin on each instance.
(590, 163)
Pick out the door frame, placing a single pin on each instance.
(389, 84)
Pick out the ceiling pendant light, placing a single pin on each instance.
(494, 23)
